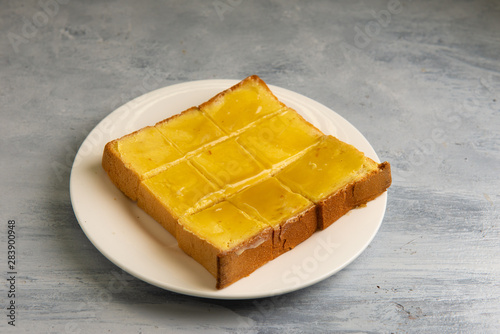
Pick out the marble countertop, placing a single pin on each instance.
(420, 80)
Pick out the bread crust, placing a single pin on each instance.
(233, 265)
(294, 231)
(122, 177)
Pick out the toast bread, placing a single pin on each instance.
(242, 178)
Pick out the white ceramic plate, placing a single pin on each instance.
(136, 243)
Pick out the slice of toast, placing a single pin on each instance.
(242, 178)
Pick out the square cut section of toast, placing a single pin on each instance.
(229, 165)
(337, 177)
(189, 130)
(280, 137)
(242, 178)
(175, 191)
(242, 105)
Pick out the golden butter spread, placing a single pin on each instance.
(223, 225)
(190, 130)
(270, 201)
(279, 137)
(241, 107)
(146, 150)
(180, 187)
(323, 169)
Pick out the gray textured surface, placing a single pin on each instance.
(421, 82)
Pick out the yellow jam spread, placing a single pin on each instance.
(270, 202)
(228, 164)
(238, 164)
(241, 107)
(223, 225)
(181, 188)
(146, 150)
(279, 137)
(323, 169)
(190, 130)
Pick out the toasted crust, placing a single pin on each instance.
(200, 250)
(294, 231)
(123, 177)
(233, 265)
